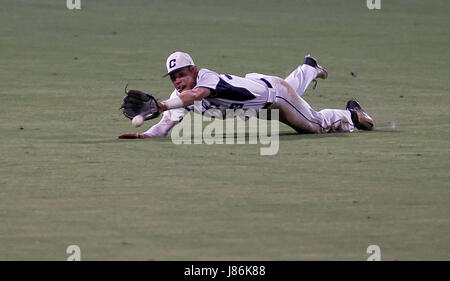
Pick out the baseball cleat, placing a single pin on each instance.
(321, 71)
(361, 120)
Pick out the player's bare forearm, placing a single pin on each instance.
(132, 136)
(161, 129)
(186, 98)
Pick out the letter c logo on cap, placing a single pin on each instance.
(172, 63)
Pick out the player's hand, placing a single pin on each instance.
(162, 106)
(132, 136)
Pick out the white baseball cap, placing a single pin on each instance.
(178, 60)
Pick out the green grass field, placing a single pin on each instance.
(65, 179)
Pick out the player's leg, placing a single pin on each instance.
(303, 75)
(297, 113)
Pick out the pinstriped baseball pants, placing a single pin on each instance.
(297, 113)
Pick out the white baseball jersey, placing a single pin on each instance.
(228, 92)
(232, 92)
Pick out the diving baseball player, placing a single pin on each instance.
(254, 91)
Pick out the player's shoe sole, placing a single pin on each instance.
(360, 119)
(322, 72)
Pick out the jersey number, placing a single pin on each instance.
(236, 105)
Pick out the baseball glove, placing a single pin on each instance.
(139, 103)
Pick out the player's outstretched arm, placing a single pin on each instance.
(132, 136)
(186, 98)
(159, 130)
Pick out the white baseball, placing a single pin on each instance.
(137, 120)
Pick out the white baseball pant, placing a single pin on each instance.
(297, 113)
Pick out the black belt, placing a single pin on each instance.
(270, 87)
(267, 105)
(267, 82)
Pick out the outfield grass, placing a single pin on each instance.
(65, 179)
